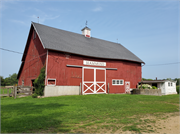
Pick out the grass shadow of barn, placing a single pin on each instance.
(32, 118)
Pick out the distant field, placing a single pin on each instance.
(85, 113)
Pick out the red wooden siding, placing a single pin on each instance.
(34, 60)
(61, 75)
(126, 70)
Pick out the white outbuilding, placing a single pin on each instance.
(166, 86)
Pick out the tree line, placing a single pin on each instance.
(9, 81)
(176, 79)
(12, 80)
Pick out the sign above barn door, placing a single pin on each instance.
(94, 63)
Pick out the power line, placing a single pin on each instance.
(163, 64)
(15, 52)
(24, 54)
(11, 51)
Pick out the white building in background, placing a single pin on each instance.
(166, 86)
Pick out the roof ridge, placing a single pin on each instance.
(67, 41)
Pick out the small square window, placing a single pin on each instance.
(114, 82)
(51, 82)
(121, 82)
(169, 84)
(117, 82)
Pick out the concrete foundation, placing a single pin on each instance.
(147, 91)
(61, 90)
(169, 93)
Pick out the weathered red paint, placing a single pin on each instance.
(70, 76)
(126, 70)
(35, 59)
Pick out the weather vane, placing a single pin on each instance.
(86, 22)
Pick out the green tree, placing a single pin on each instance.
(146, 79)
(178, 81)
(39, 83)
(2, 81)
(11, 80)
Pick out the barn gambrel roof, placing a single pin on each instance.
(65, 41)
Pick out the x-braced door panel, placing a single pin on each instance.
(100, 81)
(94, 81)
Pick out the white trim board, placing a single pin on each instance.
(90, 67)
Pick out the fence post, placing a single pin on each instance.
(15, 92)
(8, 92)
(3, 90)
(12, 91)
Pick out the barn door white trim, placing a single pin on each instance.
(94, 82)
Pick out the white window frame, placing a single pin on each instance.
(169, 84)
(51, 84)
(118, 80)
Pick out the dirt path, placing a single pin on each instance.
(161, 124)
(169, 124)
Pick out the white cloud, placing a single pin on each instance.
(97, 9)
(43, 18)
(20, 22)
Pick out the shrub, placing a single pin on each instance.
(145, 86)
(154, 87)
(34, 95)
(39, 83)
(177, 89)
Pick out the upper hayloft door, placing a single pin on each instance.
(94, 80)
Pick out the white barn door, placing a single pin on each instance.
(94, 80)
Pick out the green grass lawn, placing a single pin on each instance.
(85, 113)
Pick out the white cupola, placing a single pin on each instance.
(86, 32)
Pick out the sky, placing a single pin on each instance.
(148, 28)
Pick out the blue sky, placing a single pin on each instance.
(148, 28)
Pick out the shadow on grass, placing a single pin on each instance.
(32, 118)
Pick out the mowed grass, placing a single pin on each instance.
(85, 113)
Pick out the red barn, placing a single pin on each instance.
(73, 59)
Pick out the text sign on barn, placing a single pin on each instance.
(94, 63)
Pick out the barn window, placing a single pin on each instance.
(171, 84)
(117, 82)
(121, 82)
(114, 82)
(51, 82)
